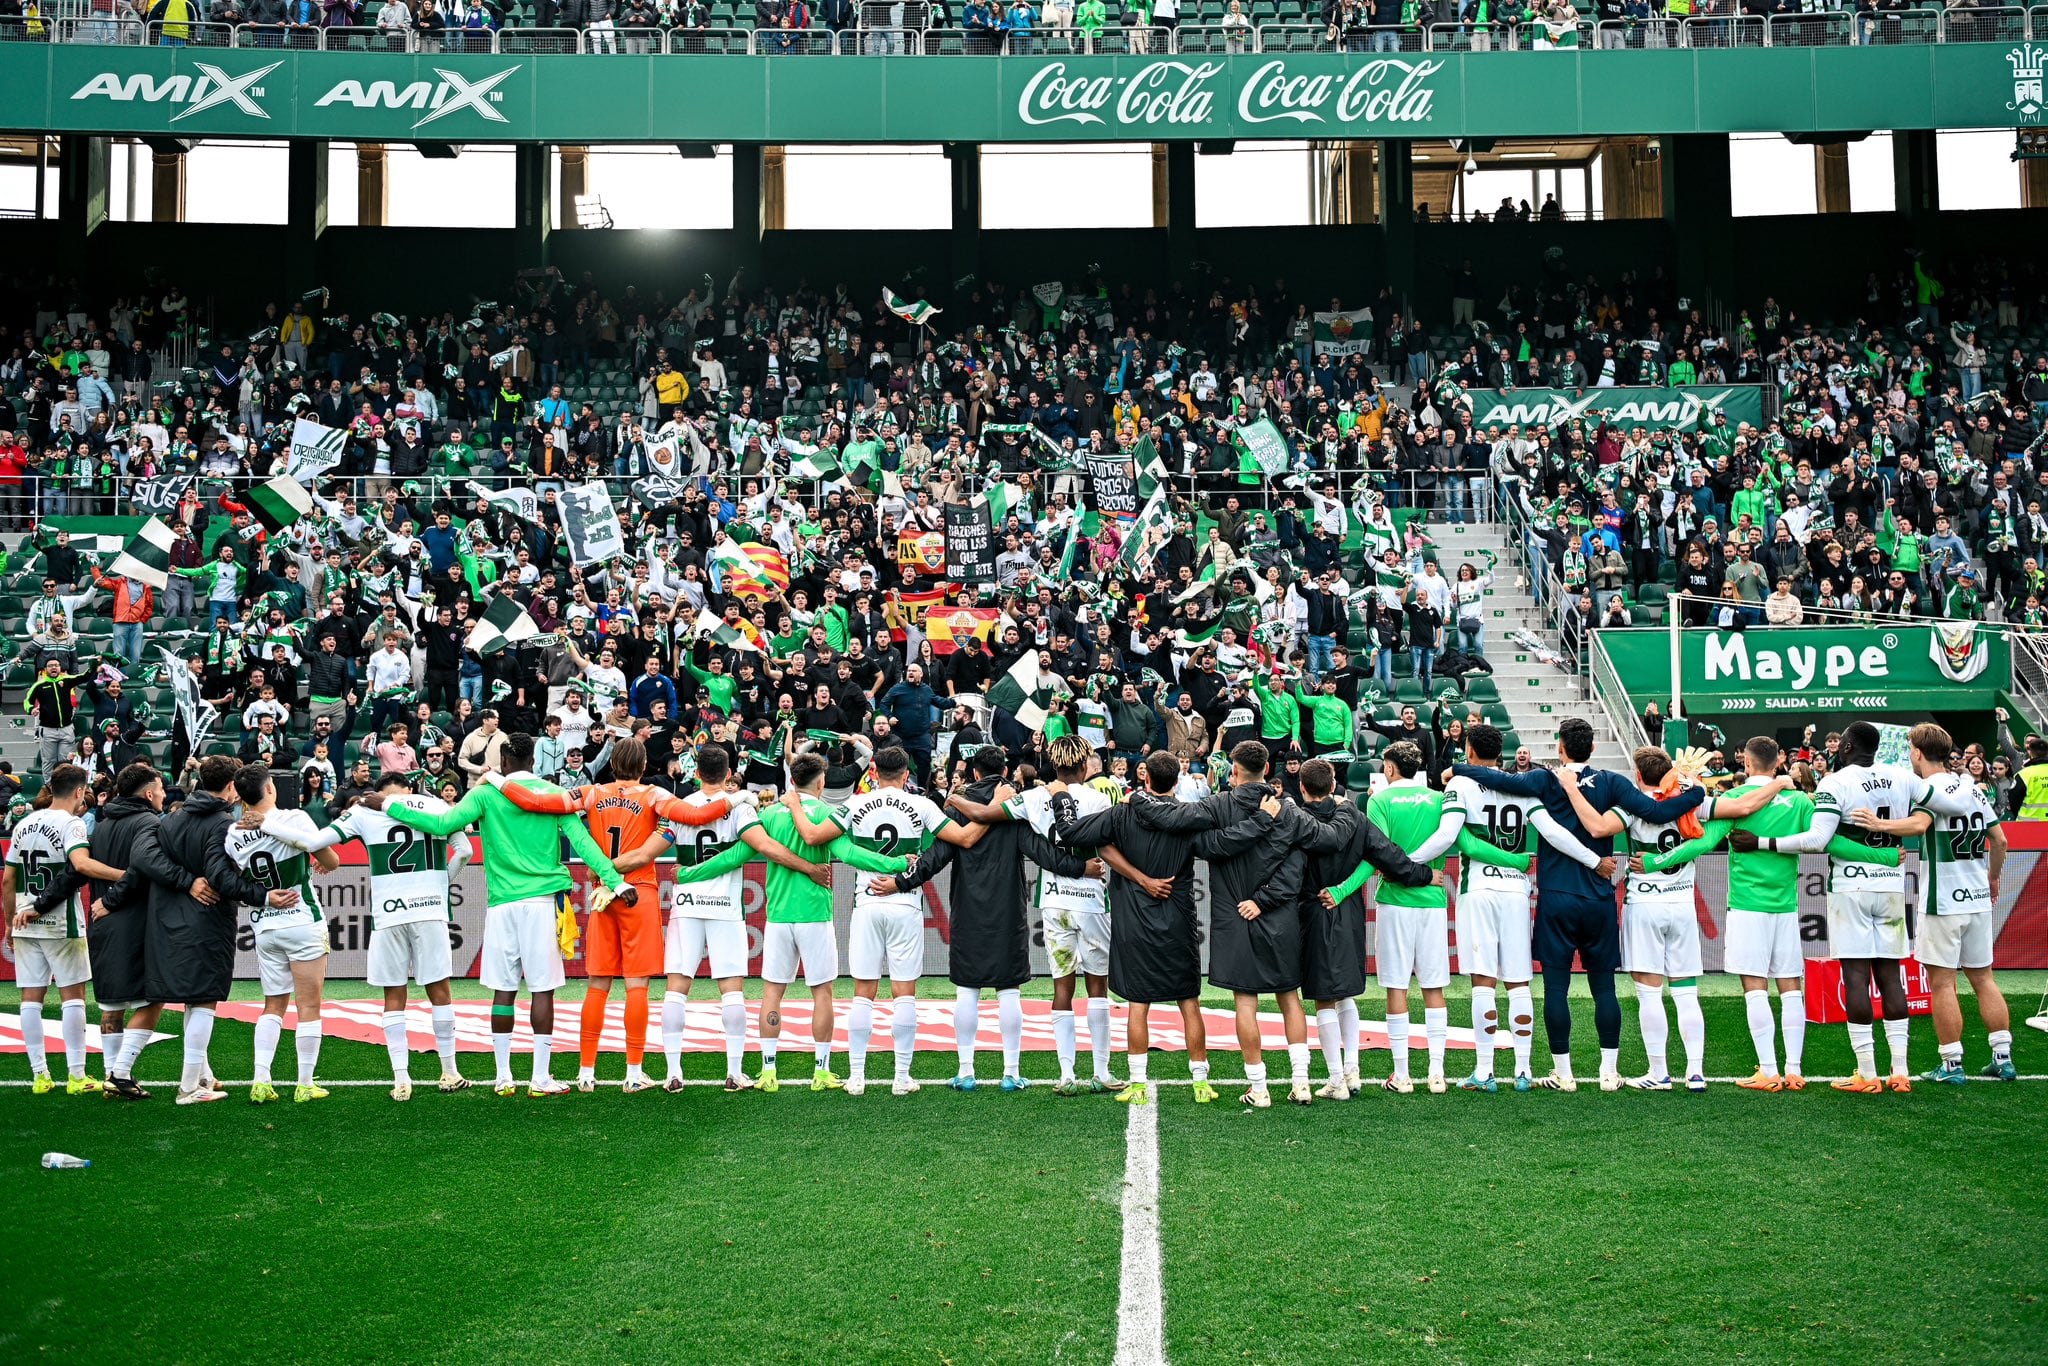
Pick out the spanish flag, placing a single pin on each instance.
(948, 627)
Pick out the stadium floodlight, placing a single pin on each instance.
(591, 212)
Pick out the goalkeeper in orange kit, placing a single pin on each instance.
(621, 941)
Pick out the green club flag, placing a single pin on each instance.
(147, 556)
(1191, 637)
(1151, 466)
(279, 502)
(1022, 692)
(504, 623)
(1155, 521)
(816, 462)
(712, 627)
(1263, 451)
(911, 311)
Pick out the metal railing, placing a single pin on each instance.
(1833, 28)
(2030, 676)
(1609, 691)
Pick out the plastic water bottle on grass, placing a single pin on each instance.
(64, 1162)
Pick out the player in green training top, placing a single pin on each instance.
(799, 919)
(1414, 922)
(526, 895)
(1763, 911)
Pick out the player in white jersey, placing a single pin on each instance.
(411, 908)
(1962, 853)
(49, 948)
(1074, 912)
(1494, 916)
(1867, 930)
(708, 920)
(291, 942)
(887, 933)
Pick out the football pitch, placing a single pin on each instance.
(995, 1227)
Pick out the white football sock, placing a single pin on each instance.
(1656, 1027)
(1010, 1020)
(1297, 1063)
(1561, 1063)
(1485, 1029)
(732, 1017)
(1332, 1040)
(1140, 1065)
(1197, 1071)
(1347, 1026)
(1952, 1053)
(269, 1029)
(132, 1044)
(966, 1024)
(1692, 1029)
(112, 1045)
(903, 1029)
(1610, 1062)
(395, 1045)
(1762, 1032)
(1792, 1019)
(1098, 1034)
(821, 1054)
(543, 1053)
(860, 1025)
(1522, 1026)
(444, 1035)
(198, 1034)
(672, 1013)
(1063, 1041)
(1397, 1040)
(586, 1073)
(1895, 1033)
(501, 1049)
(32, 1037)
(74, 1037)
(307, 1040)
(771, 1048)
(1436, 1030)
(1866, 1050)
(1254, 1072)
(2001, 1045)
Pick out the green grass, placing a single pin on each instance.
(987, 1227)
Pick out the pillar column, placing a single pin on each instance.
(575, 181)
(746, 205)
(305, 213)
(1631, 185)
(1698, 202)
(963, 162)
(1831, 177)
(532, 213)
(774, 199)
(1916, 182)
(1397, 217)
(1159, 190)
(81, 197)
(2034, 183)
(1180, 209)
(373, 186)
(166, 187)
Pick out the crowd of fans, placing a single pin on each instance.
(1022, 27)
(1900, 474)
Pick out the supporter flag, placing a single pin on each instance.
(1022, 693)
(1050, 294)
(657, 492)
(750, 569)
(1155, 520)
(159, 497)
(1263, 451)
(813, 462)
(910, 311)
(591, 525)
(147, 556)
(1190, 638)
(924, 550)
(713, 627)
(918, 604)
(1004, 500)
(1344, 334)
(1151, 466)
(948, 627)
(504, 623)
(664, 455)
(197, 716)
(315, 449)
(279, 502)
(521, 503)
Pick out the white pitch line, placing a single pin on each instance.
(1141, 1308)
(1372, 1084)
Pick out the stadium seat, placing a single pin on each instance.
(1481, 688)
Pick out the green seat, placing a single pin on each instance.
(1482, 688)
(1495, 715)
(1409, 690)
(1656, 592)
(1358, 778)
(1509, 743)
